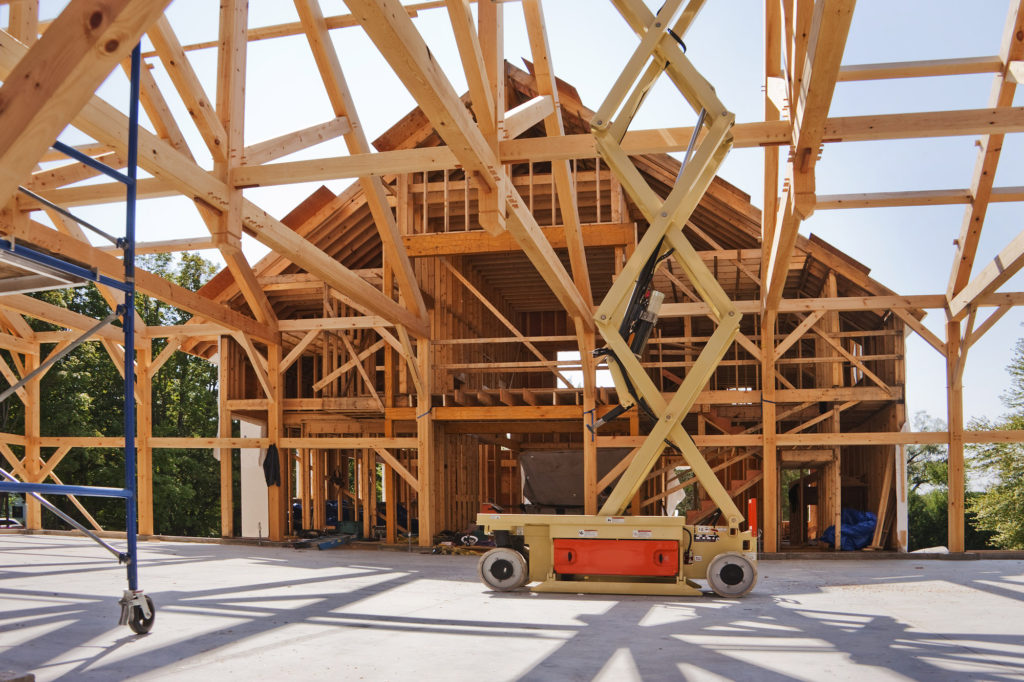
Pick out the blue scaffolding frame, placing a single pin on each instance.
(136, 609)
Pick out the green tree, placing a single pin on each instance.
(1000, 466)
(926, 464)
(927, 494)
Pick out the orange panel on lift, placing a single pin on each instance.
(616, 557)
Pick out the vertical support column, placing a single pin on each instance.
(830, 375)
(227, 503)
(390, 491)
(318, 494)
(33, 459)
(770, 462)
(955, 418)
(425, 443)
(277, 495)
(770, 481)
(587, 342)
(491, 28)
(367, 486)
(231, 65)
(304, 485)
(144, 434)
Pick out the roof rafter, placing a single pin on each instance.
(103, 122)
(58, 75)
(1003, 90)
(355, 139)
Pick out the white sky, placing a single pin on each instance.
(910, 250)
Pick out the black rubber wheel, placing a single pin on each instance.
(138, 622)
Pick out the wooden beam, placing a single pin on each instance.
(922, 331)
(1001, 96)
(955, 474)
(989, 322)
(173, 344)
(186, 81)
(656, 141)
(402, 46)
(258, 362)
(1004, 266)
(13, 378)
(341, 100)
(167, 246)
(463, 243)
(852, 359)
(501, 318)
(296, 350)
(100, 120)
(398, 467)
(355, 360)
(797, 333)
(58, 75)
(146, 282)
(920, 69)
(289, 143)
(553, 127)
(528, 114)
(1015, 71)
(227, 228)
(356, 322)
(68, 319)
(934, 197)
(96, 194)
(468, 41)
(370, 384)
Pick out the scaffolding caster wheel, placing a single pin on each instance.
(503, 569)
(137, 611)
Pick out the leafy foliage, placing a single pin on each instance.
(1000, 508)
(926, 464)
(928, 499)
(83, 395)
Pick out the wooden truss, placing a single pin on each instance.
(399, 360)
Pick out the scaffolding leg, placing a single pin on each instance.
(132, 599)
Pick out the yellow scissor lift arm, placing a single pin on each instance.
(609, 552)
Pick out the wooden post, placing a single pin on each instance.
(304, 484)
(425, 443)
(33, 459)
(587, 343)
(955, 418)
(367, 491)
(277, 495)
(770, 510)
(144, 432)
(770, 480)
(319, 482)
(227, 517)
(390, 491)
(830, 375)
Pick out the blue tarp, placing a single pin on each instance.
(858, 529)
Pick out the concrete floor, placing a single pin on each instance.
(244, 612)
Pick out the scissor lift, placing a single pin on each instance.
(610, 552)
